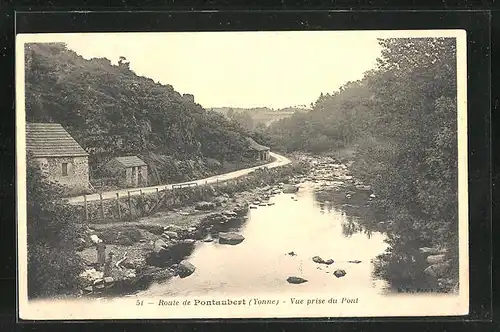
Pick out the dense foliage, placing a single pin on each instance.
(111, 111)
(401, 118)
(53, 263)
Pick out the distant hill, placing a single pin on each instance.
(111, 111)
(251, 117)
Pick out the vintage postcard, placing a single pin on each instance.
(201, 175)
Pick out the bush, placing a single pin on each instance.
(53, 263)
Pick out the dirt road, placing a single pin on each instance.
(280, 161)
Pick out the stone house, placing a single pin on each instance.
(59, 156)
(130, 171)
(258, 151)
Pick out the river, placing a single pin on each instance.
(298, 223)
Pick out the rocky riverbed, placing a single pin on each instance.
(156, 248)
(334, 182)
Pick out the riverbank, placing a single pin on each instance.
(407, 265)
(151, 248)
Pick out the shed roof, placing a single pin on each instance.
(51, 140)
(130, 161)
(256, 146)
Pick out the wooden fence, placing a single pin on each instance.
(131, 207)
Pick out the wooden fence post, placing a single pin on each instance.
(157, 196)
(143, 204)
(129, 204)
(118, 205)
(86, 207)
(102, 206)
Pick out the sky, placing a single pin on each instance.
(240, 69)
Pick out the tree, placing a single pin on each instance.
(414, 144)
(122, 62)
(401, 117)
(53, 264)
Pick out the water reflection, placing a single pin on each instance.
(309, 227)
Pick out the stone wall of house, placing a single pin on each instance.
(144, 176)
(128, 177)
(78, 171)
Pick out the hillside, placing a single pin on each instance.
(111, 111)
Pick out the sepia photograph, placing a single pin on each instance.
(191, 175)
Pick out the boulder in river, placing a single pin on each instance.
(354, 262)
(290, 189)
(296, 280)
(339, 273)
(230, 238)
(188, 241)
(185, 269)
(317, 259)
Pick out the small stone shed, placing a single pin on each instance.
(258, 151)
(59, 156)
(131, 171)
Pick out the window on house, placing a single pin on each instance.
(65, 169)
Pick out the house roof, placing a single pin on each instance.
(256, 146)
(51, 140)
(130, 161)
